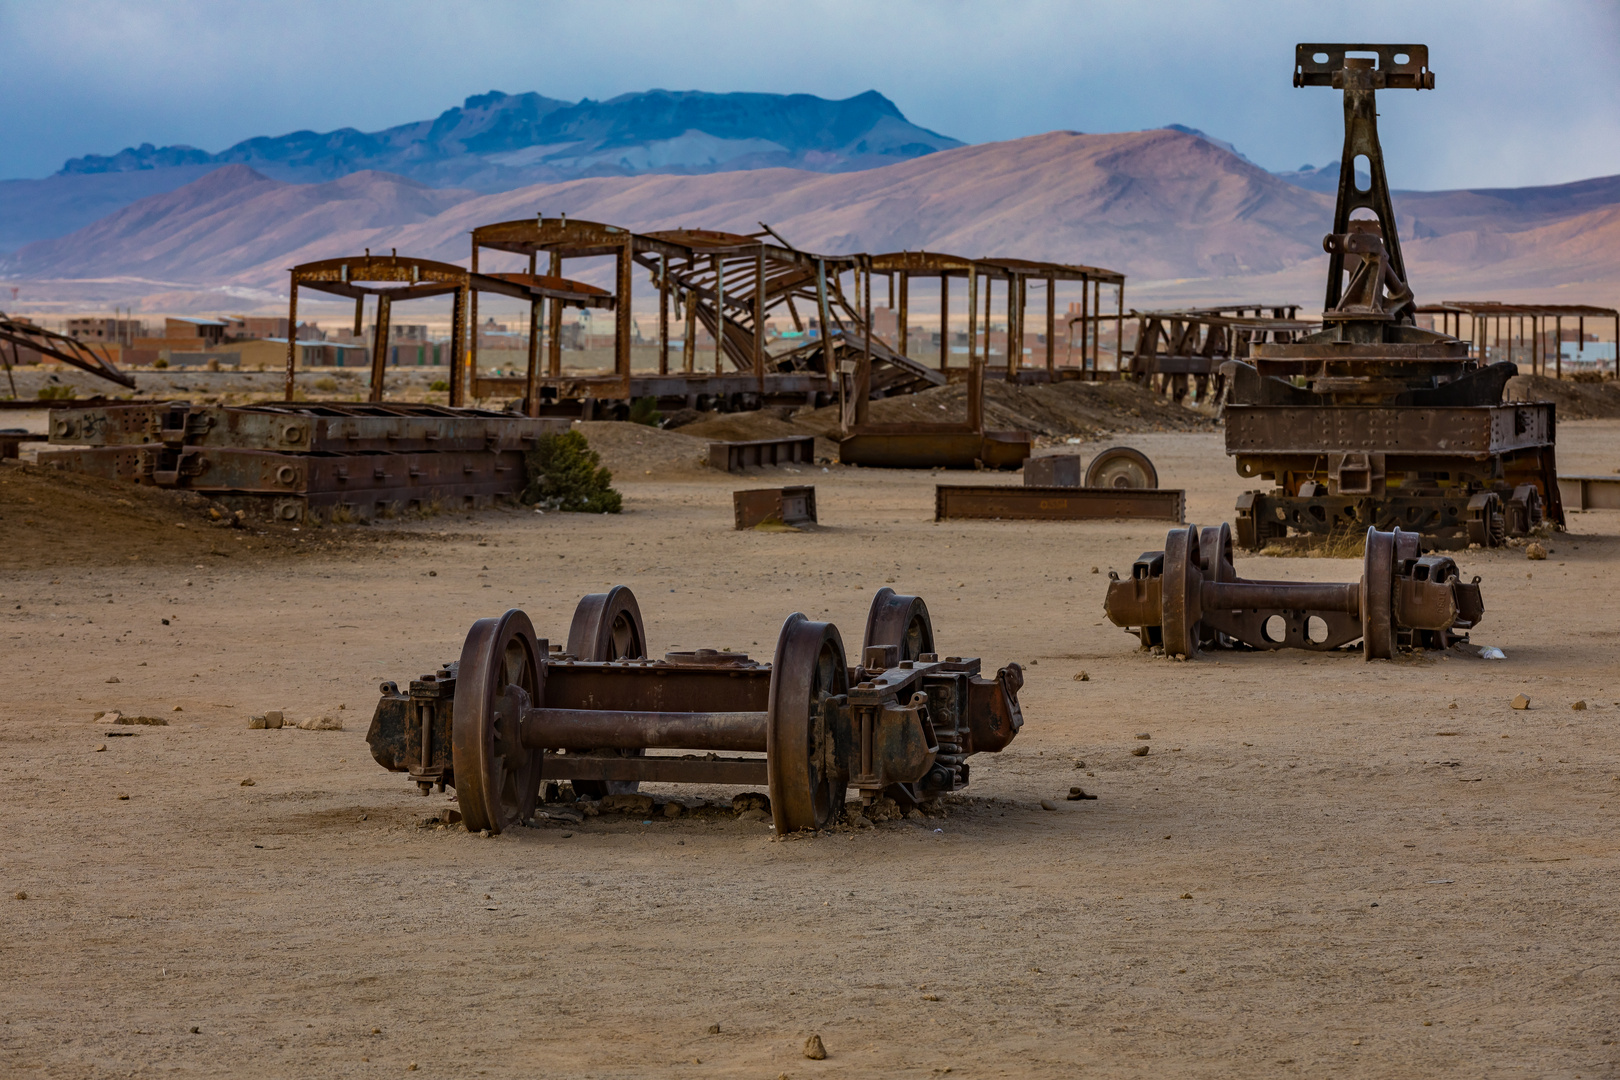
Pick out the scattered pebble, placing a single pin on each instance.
(1521, 702)
(21, 895)
(1143, 735)
(1048, 804)
(673, 809)
(114, 679)
(1186, 896)
(1076, 794)
(1139, 751)
(1082, 677)
(714, 1029)
(122, 797)
(1535, 551)
(248, 782)
(814, 1048)
(101, 749)
(484, 833)
(321, 723)
(1079, 763)
(1579, 706)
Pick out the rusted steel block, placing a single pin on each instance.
(784, 506)
(1056, 503)
(1054, 470)
(935, 449)
(758, 453)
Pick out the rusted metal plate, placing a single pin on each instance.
(936, 450)
(302, 428)
(1392, 429)
(267, 472)
(1054, 470)
(758, 453)
(1590, 492)
(1057, 503)
(785, 506)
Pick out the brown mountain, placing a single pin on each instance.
(1185, 219)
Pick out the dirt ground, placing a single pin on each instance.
(1323, 867)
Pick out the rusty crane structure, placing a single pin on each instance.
(1374, 421)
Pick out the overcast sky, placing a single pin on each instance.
(1528, 92)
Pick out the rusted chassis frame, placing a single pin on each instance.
(1180, 350)
(1188, 597)
(513, 713)
(393, 279)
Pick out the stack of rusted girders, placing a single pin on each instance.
(306, 461)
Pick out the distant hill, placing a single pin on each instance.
(497, 142)
(1186, 219)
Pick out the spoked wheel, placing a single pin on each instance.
(1378, 597)
(607, 626)
(1121, 467)
(497, 779)
(805, 763)
(901, 621)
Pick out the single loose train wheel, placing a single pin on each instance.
(1121, 467)
(806, 767)
(607, 626)
(901, 621)
(497, 778)
(1180, 611)
(1378, 597)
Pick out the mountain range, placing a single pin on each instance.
(498, 142)
(1186, 219)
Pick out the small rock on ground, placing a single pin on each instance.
(1139, 751)
(815, 1049)
(1520, 702)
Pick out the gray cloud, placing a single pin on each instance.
(1526, 92)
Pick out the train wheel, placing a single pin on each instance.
(608, 626)
(808, 776)
(497, 778)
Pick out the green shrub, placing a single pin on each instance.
(438, 385)
(160, 363)
(645, 411)
(327, 384)
(566, 474)
(56, 392)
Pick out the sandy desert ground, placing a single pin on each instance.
(1323, 867)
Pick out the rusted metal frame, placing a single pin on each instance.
(62, 348)
(903, 317)
(472, 304)
(289, 390)
(1051, 327)
(531, 392)
(663, 315)
(973, 317)
(759, 317)
(379, 348)
(863, 388)
(459, 375)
